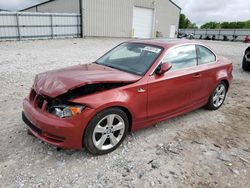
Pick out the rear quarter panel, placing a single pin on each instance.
(213, 73)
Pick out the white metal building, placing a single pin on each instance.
(119, 18)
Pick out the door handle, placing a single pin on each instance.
(197, 75)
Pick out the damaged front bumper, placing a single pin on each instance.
(60, 132)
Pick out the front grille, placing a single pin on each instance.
(30, 125)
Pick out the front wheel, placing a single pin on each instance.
(106, 131)
(217, 97)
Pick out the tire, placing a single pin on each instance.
(217, 97)
(106, 131)
(245, 64)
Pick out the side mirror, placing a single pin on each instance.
(164, 67)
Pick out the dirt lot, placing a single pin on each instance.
(198, 149)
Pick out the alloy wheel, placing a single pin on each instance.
(219, 95)
(108, 132)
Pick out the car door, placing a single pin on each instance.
(178, 88)
(207, 66)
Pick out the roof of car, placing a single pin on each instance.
(164, 42)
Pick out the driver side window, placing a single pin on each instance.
(182, 57)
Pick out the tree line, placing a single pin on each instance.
(185, 23)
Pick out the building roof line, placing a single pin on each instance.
(54, 0)
(175, 4)
(36, 5)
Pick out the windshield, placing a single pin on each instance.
(131, 57)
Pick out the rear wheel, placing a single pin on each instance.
(106, 131)
(217, 97)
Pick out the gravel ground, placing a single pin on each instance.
(199, 149)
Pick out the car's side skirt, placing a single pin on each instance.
(149, 122)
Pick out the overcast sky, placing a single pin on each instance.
(17, 4)
(202, 11)
(198, 11)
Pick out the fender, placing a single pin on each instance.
(225, 74)
(221, 75)
(126, 98)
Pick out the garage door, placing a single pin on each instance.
(143, 22)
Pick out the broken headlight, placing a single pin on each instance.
(64, 111)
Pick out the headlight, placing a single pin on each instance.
(64, 110)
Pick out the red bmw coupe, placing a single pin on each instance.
(136, 84)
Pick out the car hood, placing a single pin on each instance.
(57, 82)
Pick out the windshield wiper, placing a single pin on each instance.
(110, 66)
(95, 62)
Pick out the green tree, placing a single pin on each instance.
(226, 25)
(239, 25)
(185, 23)
(247, 24)
(211, 25)
(233, 25)
(193, 26)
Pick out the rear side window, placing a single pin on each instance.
(182, 57)
(205, 55)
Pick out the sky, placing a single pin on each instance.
(198, 11)
(17, 4)
(202, 11)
